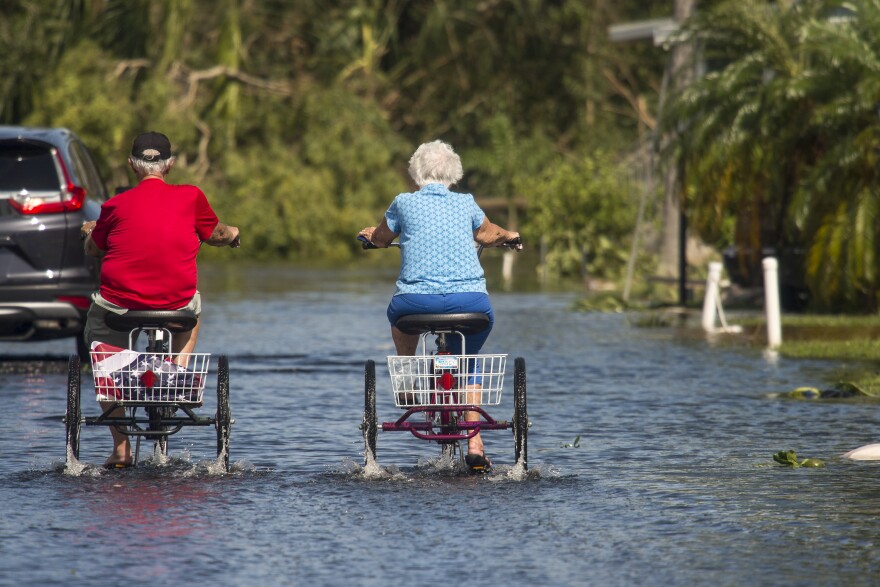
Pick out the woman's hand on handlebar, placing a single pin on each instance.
(379, 237)
(366, 237)
(365, 243)
(514, 243)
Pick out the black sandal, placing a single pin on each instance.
(477, 463)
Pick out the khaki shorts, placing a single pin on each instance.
(96, 326)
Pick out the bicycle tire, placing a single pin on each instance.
(73, 416)
(224, 415)
(370, 424)
(520, 413)
(155, 415)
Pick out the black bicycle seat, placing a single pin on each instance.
(468, 323)
(172, 320)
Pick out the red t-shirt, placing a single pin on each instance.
(151, 235)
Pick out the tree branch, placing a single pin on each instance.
(635, 103)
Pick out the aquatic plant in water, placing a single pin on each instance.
(789, 459)
(840, 390)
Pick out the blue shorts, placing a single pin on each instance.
(454, 303)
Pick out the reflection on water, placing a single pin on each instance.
(650, 461)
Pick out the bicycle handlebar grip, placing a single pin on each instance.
(236, 242)
(365, 243)
(514, 243)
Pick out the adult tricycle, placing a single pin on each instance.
(158, 391)
(435, 389)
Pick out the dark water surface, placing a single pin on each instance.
(670, 480)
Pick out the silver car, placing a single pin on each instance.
(49, 185)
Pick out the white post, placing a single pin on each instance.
(771, 301)
(710, 302)
(507, 268)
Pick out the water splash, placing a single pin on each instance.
(370, 471)
(73, 467)
(518, 472)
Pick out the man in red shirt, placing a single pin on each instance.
(148, 238)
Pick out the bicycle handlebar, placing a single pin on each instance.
(366, 244)
(514, 244)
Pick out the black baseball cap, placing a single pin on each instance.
(151, 146)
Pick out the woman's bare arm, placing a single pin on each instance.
(381, 235)
(492, 235)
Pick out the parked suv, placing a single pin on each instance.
(49, 185)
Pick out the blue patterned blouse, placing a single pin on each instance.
(436, 228)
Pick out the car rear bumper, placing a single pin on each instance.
(40, 320)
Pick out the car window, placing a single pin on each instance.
(85, 168)
(29, 167)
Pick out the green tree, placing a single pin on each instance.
(335, 93)
(836, 207)
(103, 119)
(743, 130)
(584, 213)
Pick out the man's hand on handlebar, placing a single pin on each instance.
(86, 229)
(224, 235)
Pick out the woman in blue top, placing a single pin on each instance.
(440, 272)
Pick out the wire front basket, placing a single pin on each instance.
(447, 380)
(124, 375)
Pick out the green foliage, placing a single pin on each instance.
(780, 135)
(350, 137)
(584, 213)
(789, 459)
(836, 205)
(84, 95)
(279, 205)
(743, 128)
(298, 119)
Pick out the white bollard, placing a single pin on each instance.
(771, 301)
(713, 293)
(507, 268)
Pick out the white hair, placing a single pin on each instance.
(435, 162)
(159, 167)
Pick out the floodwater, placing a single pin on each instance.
(650, 461)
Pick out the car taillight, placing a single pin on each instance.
(71, 198)
(81, 302)
(68, 201)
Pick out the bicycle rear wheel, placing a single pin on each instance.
(155, 415)
(224, 416)
(73, 417)
(520, 413)
(370, 424)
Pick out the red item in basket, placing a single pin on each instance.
(112, 366)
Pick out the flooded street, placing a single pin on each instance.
(650, 461)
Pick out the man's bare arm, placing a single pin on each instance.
(89, 246)
(492, 235)
(223, 235)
